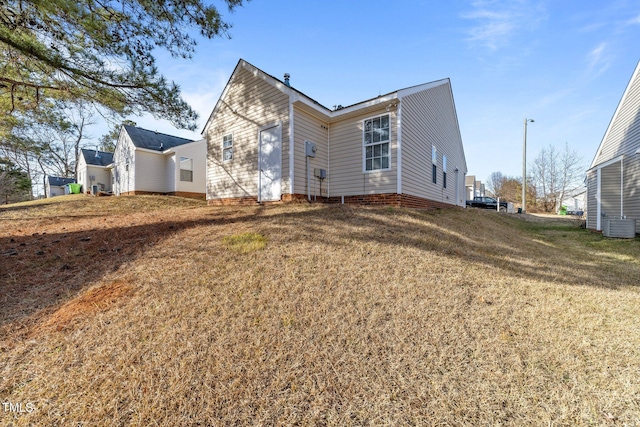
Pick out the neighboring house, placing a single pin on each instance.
(613, 180)
(473, 188)
(55, 185)
(94, 168)
(575, 200)
(268, 142)
(148, 162)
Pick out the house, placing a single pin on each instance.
(148, 162)
(267, 141)
(575, 200)
(55, 185)
(613, 179)
(473, 187)
(94, 168)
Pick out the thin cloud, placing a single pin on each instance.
(635, 21)
(599, 59)
(497, 21)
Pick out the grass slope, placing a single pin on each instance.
(162, 311)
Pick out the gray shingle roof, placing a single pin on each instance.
(102, 159)
(56, 181)
(151, 140)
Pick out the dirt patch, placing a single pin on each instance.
(93, 301)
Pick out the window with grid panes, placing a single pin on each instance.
(227, 147)
(376, 137)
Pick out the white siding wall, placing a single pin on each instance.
(83, 176)
(197, 151)
(307, 127)
(346, 155)
(102, 176)
(150, 172)
(170, 175)
(124, 179)
(249, 104)
(429, 119)
(54, 191)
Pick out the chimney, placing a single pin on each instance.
(97, 153)
(286, 79)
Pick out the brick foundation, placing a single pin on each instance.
(388, 199)
(142, 193)
(233, 201)
(187, 194)
(201, 196)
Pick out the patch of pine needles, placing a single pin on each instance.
(316, 315)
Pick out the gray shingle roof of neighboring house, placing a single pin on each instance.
(56, 181)
(151, 140)
(102, 159)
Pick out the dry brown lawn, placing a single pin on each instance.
(163, 311)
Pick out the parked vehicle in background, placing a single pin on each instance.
(486, 203)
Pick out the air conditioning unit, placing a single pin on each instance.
(624, 228)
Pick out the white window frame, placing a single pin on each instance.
(372, 144)
(444, 171)
(229, 148)
(183, 159)
(434, 165)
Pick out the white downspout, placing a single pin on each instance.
(308, 180)
(598, 199)
(328, 162)
(622, 188)
(291, 147)
(399, 151)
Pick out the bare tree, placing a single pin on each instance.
(509, 188)
(495, 183)
(572, 171)
(553, 173)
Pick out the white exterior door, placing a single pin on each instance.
(269, 164)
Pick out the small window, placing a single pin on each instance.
(227, 147)
(444, 171)
(186, 169)
(434, 174)
(434, 155)
(376, 139)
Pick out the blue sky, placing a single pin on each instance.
(563, 63)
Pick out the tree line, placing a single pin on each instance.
(551, 176)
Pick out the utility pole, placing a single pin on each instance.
(524, 166)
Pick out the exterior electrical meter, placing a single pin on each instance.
(310, 148)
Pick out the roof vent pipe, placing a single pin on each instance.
(286, 79)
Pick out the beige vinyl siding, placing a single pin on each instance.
(632, 189)
(610, 186)
(150, 172)
(592, 205)
(124, 180)
(307, 127)
(346, 155)
(623, 136)
(249, 104)
(621, 139)
(429, 119)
